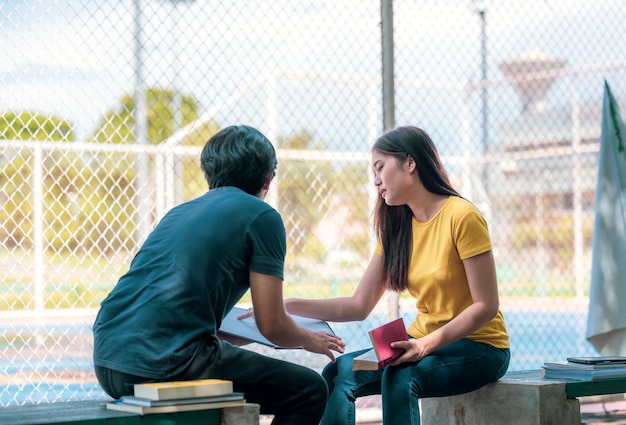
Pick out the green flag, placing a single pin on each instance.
(606, 321)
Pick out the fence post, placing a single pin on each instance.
(38, 236)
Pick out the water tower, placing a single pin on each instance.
(532, 75)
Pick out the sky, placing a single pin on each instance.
(75, 59)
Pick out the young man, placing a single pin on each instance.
(161, 321)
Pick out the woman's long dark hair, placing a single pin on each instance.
(392, 224)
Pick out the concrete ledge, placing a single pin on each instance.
(241, 415)
(506, 402)
(520, 398)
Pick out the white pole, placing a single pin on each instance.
(38, 226)
(466, 172)
(372, 134)
(577, 194)
(272, 132)
(142, 201)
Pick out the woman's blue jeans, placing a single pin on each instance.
(460, 367)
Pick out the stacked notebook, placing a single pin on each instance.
(586, 368)
(179, 396)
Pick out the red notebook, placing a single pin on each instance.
(382, 337)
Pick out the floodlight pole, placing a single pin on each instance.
(388, 65)
(388, 94)
(483, 80)
(480, 8)
(174, 180)
(142, 201)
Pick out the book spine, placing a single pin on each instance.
(387, 362)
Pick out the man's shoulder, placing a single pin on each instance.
(248, 208)
(233, 197)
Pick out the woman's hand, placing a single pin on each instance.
(249, 313)
(415, 350)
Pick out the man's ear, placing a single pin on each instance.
(266, 185)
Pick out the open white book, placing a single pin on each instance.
(246, 328)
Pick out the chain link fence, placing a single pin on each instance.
(105, 106)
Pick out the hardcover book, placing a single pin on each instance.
(139, 401)
(382, 354)
(183, 389)
(121, 406)
(598, 360)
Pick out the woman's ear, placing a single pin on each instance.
(410, 163)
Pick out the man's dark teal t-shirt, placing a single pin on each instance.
(191, 270)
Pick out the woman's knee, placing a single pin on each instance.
(330, 372)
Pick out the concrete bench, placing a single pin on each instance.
(95, 413)
(519, 398)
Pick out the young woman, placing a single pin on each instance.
(434, 244)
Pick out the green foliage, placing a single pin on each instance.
(354, 198)
(88, 200)
(110, 205)
(15, 213)
(300, 185)
(65, 182)
(15, 178)
(194, 183)
(556, 233)
(117, 126)
(314, 193)
(33, 126)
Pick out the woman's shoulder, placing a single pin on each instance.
(459, 204)
(460, 209)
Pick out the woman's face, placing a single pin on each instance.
(392, 177)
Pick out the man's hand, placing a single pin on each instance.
(325, 343)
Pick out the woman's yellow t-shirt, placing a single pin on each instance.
(436, 274)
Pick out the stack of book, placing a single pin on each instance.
(586, 368)
(179, 396)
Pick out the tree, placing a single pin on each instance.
(115, 172)
(194, 183)
(303, 188)
(117, 126)
(16, 214)
(28, 125)
(324, 205)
